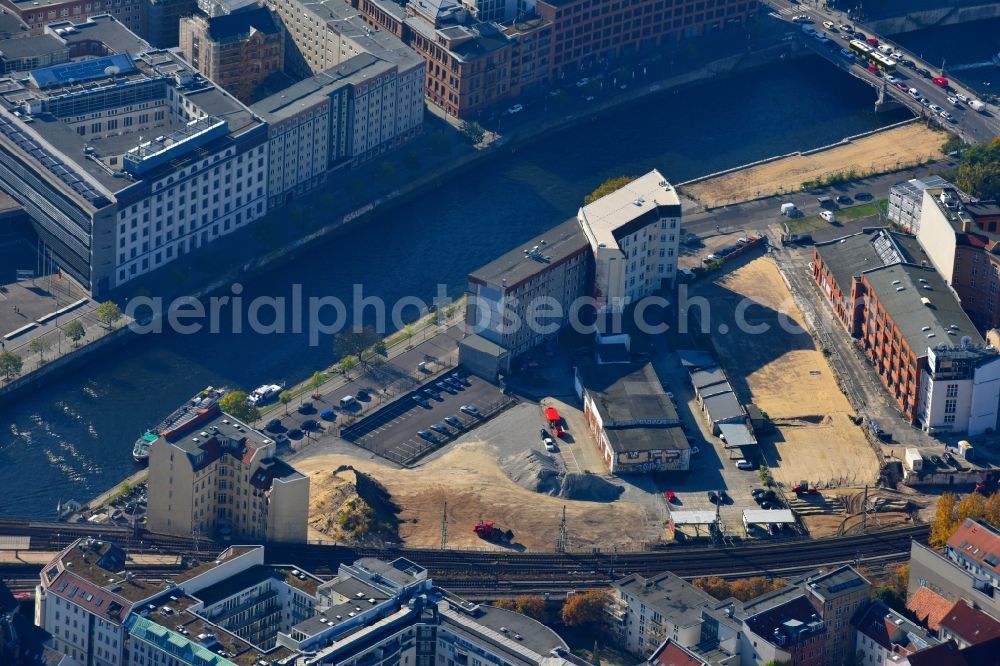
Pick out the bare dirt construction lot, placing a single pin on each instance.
(890, 150)
(788, 377)
(470, 480)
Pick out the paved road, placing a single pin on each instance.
(759, 214)
(972, 126)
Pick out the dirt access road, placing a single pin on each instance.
(788, 377)
(891, 150)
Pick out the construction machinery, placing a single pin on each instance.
(490, 532)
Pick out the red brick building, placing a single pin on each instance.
(474, 66)
(586, 32)
(39, 13)
(838, 264)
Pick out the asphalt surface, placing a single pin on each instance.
(392, 430)
(759, 214)
(973, 126)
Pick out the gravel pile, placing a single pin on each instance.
(540, 473)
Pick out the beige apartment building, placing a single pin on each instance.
(225, 481)
(236, 51)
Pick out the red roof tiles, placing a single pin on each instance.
(977, 542)
(928, 607)
(971, 625)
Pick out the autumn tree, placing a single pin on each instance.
(607, 187)
(506, 604)
(941, 527)
(531, 605)
(746, 589)
(584, 608)
(714, 585)
(235, 404)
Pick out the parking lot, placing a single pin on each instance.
(391, 432)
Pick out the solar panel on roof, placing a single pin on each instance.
(85, 70)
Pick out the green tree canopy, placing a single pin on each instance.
(471, 131)
(978, 171)
(607, 187)
(74, 331)
(10, 364)
(108, 313)
(235, 404)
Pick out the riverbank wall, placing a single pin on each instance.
(506, 145)
(49, 372)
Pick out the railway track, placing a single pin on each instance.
(478, 570)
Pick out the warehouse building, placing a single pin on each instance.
(907, 198)
(635, 423)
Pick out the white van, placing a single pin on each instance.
(789, 210)
(348, 401)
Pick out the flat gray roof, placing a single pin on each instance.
(848, 257)
(723, 407)
(637, 438)
(105, 29)
(481, 344)
(515, 267)
(376, 42)
(667, 594)
(915, 187)
(302, 95)
(627, 393)
(737, 435)
(707, 377)
(29, 45)
(922, 306)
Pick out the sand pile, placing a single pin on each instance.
(539, 473)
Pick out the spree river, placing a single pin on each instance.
(74, 439)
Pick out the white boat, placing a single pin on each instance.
(263, 394)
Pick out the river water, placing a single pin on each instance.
(74, 439)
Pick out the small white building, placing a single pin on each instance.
(634, 233)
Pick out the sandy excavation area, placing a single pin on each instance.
(890, 150)
(475, 487)
(789, 378)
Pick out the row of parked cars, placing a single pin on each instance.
(440, 430)
(452, 384)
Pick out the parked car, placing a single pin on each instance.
(962, 98)
(712, 497)
(743, 463)
(429, 436)
(441, 428)
(470, 410)
(863, 196)
(432, 393)
(671, 496)
(447, 388)
(421, 400)
(844, 200)
(517, 108)
(582, 82)
(305, 408)
(452, 421)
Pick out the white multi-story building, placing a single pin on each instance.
(362, 94)
(237, 610)
(906, 200)
(886, 638)
(128, 160)
(83, 599)
(634, 234)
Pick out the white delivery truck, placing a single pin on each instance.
(976, 105)
(913, 459)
